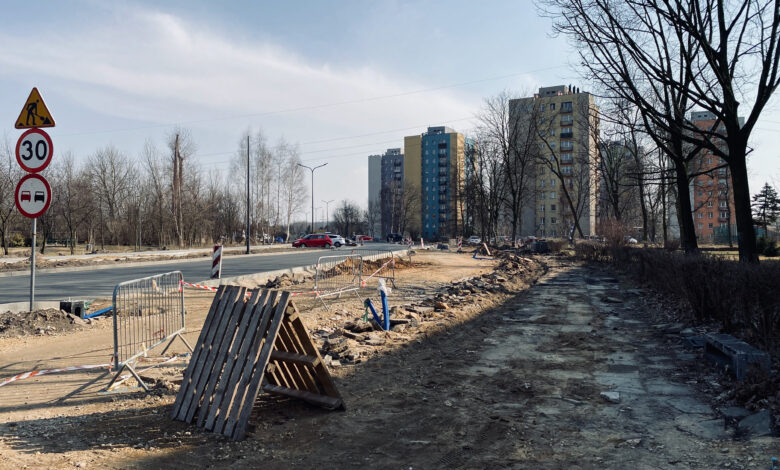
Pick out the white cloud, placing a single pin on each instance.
(160, 68)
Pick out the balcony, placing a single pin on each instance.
(442, 191)
(723, 219)
(567, 135)
(567, 120)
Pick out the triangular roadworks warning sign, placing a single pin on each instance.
(34, 113)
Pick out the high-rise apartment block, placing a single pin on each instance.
(711, 195)
(392, 194)
(565, 122)
(437, 165)
(374, 188)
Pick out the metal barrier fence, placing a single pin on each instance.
(147, 313)
(378, 264)
(337, 274)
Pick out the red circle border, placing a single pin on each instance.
(46, 136)
(16, 196)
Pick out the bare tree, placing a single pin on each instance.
(347, 218)
(182, 146)
(511, 131)
(666, 56)
(10, 173)
(73, 203)
(113, 177)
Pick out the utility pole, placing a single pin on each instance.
(247, 194)
(327, 217)
(312, 189)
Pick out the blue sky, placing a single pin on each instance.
(122, 73)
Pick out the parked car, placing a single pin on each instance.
(474, 240)
(631, 240)
(314, 240)
(395, 238)
(363, 238)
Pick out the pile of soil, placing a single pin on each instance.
(39, 322)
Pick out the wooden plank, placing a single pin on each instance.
(316, 399)
(320, 370)
(209, 363)
(197, 350)
(230, 295)
(292, 370)
(242, 371)
(304, 377)
(239, 428)
(293, 357)
(237, 355)
(233, 333)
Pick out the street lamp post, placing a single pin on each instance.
(327, 217)
(312, 189)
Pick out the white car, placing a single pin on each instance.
(474, 240)
(338, 240)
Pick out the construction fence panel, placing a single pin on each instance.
(147, 313)
(337, 274)
(377, 264)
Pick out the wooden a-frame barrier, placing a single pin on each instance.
(247, 347)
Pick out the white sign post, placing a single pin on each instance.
(34, 150)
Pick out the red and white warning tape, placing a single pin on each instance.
(198, 286)
(214, 289)
(363, 282)
(36, 373)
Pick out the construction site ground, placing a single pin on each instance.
(499, 364)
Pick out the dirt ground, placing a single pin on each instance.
(507, 372)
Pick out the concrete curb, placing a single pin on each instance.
(254, 280)
(16, 307)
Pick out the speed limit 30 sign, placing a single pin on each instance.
(34, 150)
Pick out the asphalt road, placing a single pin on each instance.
(99, 283)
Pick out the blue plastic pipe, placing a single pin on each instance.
(99, 312)
(385, 310)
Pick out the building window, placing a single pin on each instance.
(541, 220)
(709, 215)
(709, 225)
(709, 203)
(722, 204)
(700, 215)
(701, 193)
(552, 106)
(567, 145)
(566, 107)
(552, 220)
(700, 225)
(566, 157)
(552, 194)
(567, 170)
(724, 214)
(552, 181)
(552, 207)
(541, 107)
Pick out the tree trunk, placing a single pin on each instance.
(685, 212)
(746, 236)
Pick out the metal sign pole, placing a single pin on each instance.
(32, 264)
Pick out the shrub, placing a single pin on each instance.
(556, 245)
(761, 244)
(771, 249)
(16, 240)
(742, 297)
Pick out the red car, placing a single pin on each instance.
(363, 238)
(314, 239)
